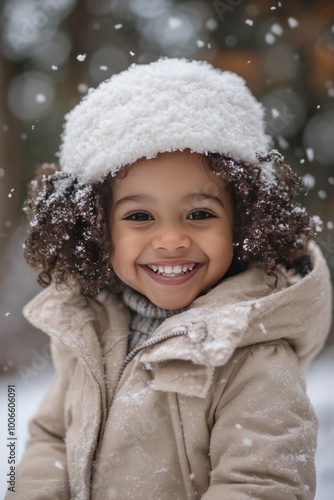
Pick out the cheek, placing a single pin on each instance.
(125, 252)
(220, 249)
(117, 253)
(122, 264)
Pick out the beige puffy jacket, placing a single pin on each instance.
(213, 406)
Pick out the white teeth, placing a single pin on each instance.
(171, 271)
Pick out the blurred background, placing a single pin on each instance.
(53, 51)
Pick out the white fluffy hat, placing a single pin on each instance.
(167, 105)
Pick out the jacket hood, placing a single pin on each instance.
(242, 310)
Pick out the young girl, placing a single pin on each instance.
(194, 297)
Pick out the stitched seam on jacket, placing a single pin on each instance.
(177, 422)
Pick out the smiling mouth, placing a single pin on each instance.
(172, 271)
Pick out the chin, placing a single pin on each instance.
(170, 304)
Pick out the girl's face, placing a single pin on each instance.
(171, 225)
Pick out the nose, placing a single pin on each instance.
(171, 238)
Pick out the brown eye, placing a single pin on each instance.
(200, 215)
(139, 216)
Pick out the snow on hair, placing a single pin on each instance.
(69, 238)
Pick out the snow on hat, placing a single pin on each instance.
(167, 105)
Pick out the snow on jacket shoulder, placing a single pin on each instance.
(212, 406)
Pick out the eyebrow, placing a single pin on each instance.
(141, 198)
(137, 198)
(204, 196)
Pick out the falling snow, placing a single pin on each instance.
(275, 113)
(277, 29)
(318, 223)
(293, 23)
(322, 194)
(82, 88)
(174, 23)
(310, 154)
(269, 38)
(40, 98)
(308, 181)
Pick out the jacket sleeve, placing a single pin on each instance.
(263, 440)
(42, 472)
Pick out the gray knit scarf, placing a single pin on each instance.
(145, 317)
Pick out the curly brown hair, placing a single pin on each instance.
(69, 238)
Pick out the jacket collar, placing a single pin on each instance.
(245, 310)
(74, 320)
(242, 310)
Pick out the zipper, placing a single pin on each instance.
(127, 360)
(135, 351)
